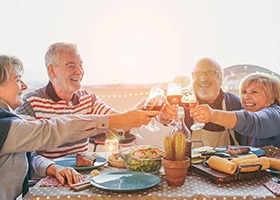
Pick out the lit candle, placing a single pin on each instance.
(111, 145)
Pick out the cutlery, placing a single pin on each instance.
(275, 179)
(80, 186)
(137, 134)
(221, 154)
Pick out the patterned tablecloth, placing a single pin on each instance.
(196, 187)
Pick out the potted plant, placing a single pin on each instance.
(175, 163)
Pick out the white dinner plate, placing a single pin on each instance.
(125, 181)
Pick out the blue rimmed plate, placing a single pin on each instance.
(255, 150)
(125, 181)
(70, 161)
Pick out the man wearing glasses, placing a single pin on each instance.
(207, 78)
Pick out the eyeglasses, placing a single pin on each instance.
(208, 73)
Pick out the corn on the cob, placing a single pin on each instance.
(250, 156)
(274, 163)
(263, 161)
(222, 164)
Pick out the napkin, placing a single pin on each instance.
(50, 181)
(273, 187)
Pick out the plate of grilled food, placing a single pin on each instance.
(222, 170)
(240, 150)
(203, 153)
(82, 161)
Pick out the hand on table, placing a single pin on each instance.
(64, 174)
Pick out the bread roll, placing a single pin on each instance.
(115, 160)
(94, 172)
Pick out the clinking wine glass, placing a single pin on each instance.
(174, 95)
(189, 101)
(154, 102)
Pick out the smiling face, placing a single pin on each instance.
(207, 79)
(11, 90)
(66, 75)
(254, 97)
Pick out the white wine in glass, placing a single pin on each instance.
(189, 101)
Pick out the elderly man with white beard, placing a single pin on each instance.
(207, 78)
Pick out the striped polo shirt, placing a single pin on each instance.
(44, 103)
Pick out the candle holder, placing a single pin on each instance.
(111, 145)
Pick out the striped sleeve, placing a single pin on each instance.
(100, 107)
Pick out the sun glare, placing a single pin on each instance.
(130, 41)
(135, 43)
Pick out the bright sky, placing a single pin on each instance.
(142, 41)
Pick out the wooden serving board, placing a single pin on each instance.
(220, 177)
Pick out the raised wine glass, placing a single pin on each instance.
(154, 102)
(174, 95)
(189, 101)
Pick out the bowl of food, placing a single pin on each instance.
(142, 158)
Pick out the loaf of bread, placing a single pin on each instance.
(263, 161)
(222, 164)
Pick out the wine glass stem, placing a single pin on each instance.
(152, 123)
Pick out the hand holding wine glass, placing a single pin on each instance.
(174, 95)
(154, 102)
(189, 101)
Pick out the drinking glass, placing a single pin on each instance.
(189, 101)
(174, 95)
(154, 102)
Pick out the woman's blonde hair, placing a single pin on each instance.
(8, 63)
(269, 82)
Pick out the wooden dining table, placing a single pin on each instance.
(196, 187)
